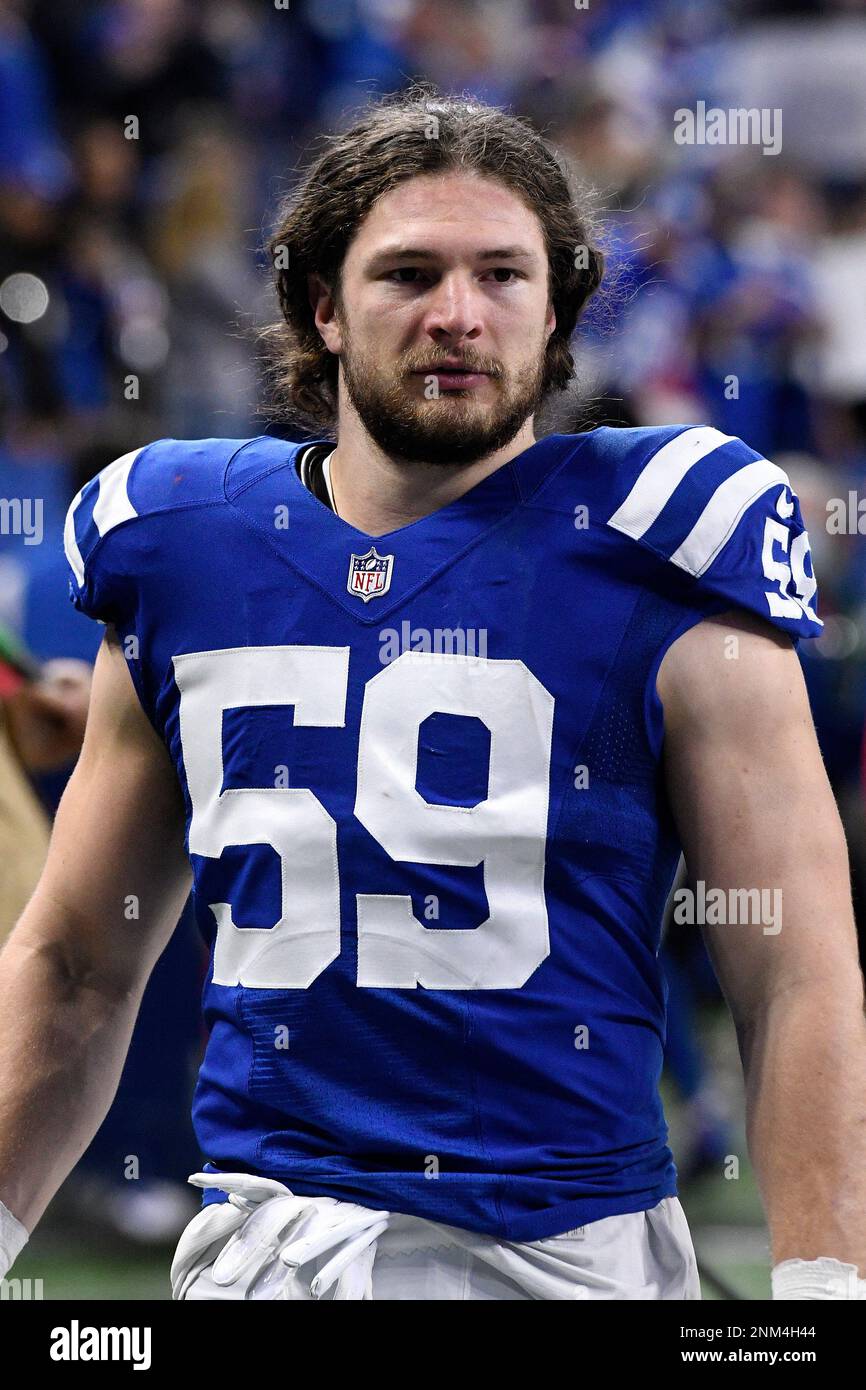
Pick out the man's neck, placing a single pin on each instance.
(377, 494)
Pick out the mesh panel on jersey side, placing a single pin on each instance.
(620, 823)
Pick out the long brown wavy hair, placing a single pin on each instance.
(397, 137)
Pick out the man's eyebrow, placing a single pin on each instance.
(420, 253)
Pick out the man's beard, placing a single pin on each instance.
(442, 431)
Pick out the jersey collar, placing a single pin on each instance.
(263, 486)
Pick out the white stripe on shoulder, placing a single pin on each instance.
(70, 544)
(113, 504)
(662, 475)
(718, 521)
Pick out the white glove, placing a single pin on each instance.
(13, 1238)
(824, 1278)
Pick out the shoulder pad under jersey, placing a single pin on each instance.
(144, 484)
(723, 515)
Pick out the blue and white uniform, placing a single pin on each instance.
(430, 836)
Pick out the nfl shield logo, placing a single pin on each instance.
(370, 574)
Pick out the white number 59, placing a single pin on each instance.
(506, 831)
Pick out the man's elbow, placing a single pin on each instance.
(53, 953)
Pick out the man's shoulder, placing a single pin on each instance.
(128, 505)
(646, 470)
(159, 477)
(710, 508)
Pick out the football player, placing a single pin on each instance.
(425, 710)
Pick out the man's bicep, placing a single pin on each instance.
(117, 867)
(755, 811)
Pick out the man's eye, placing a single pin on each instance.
(406, 270)
(503, 273)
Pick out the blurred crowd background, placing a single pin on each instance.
(144, 145)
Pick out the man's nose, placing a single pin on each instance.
(454, 308)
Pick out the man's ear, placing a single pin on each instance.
(324, 307)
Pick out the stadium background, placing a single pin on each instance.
(144, 145)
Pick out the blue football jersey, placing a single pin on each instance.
(426, 815)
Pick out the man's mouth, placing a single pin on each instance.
(454, 376)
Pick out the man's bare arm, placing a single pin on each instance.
(74, 969)
(755, 810)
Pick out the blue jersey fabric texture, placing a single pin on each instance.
(517, 1101)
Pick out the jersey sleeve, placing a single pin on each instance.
(99, 586)
(116, 527)
(726, 517)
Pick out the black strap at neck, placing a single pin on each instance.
(311, 470)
